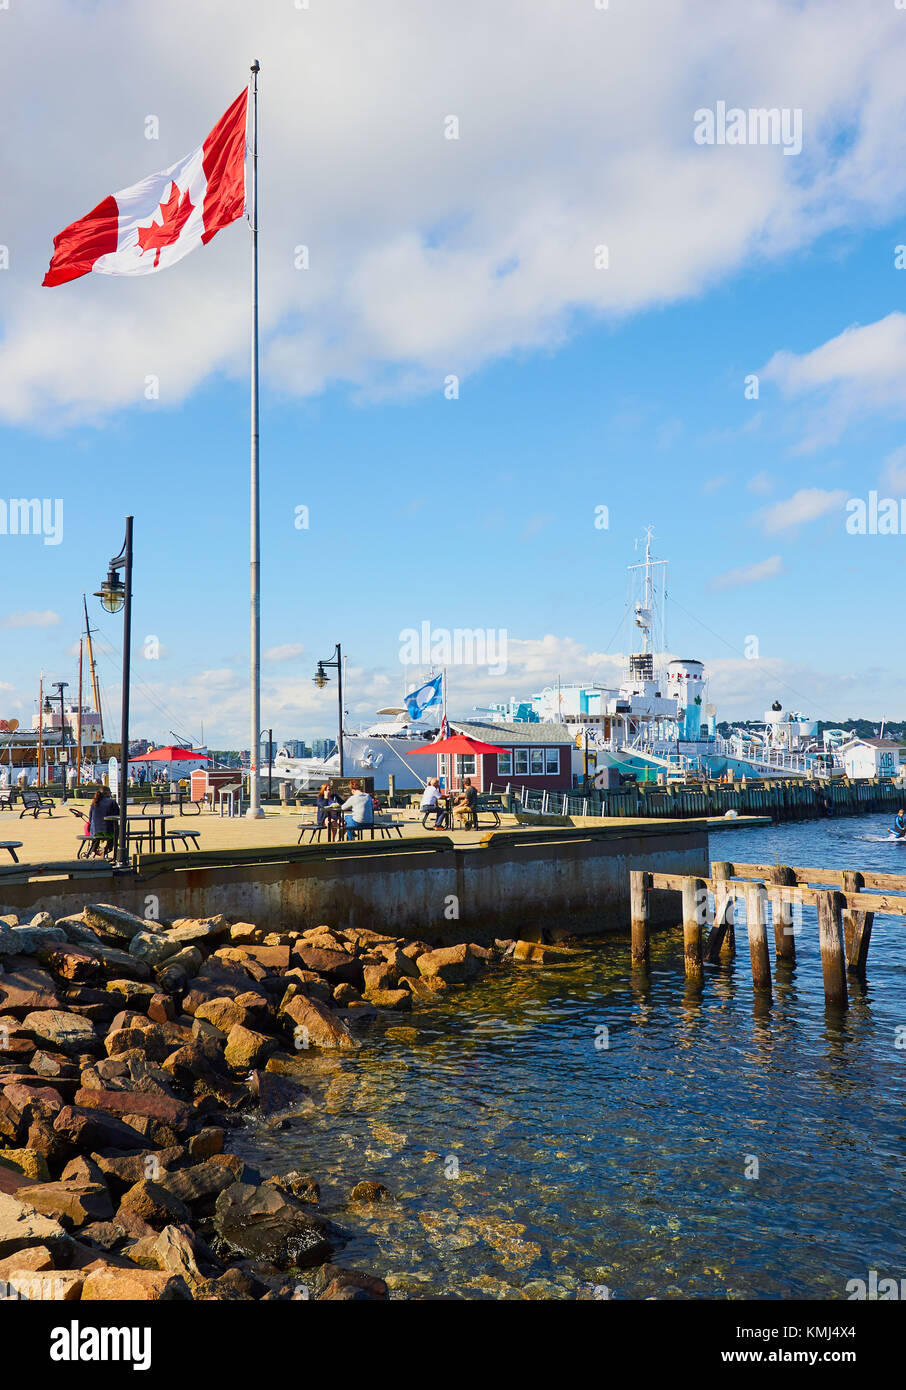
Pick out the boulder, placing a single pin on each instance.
(22, 1226)
(66, 1032)
(162, 1108)
(268, 1223)
(369, 1192)
(452, 964)
(538, 953)
(348, 1285)
(153, 947)
(246, 1049)
(28, 1162)
(26, 988)
(92, 1130)
(194, 931)
(154, 1204)
(225, 1012)
(69, 961)
(206, 1143)
(275, 1093)
(313, 1024)
(27, 941)
(122, 1171)
(161, 1008)
(399, 999)
(70, 1202)
(133, 1285)
(204, 1180)
(337, 966)
(114, 924)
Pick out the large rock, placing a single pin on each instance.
(154, 1204)
(27, 941)
(337, 966)
(69, 961)
(166, 1109)
(204, 1180)
(312, 1024)
(246, 1049)
(152, 947)
(70, 1202)
(26, 988)
(452, 964)
(66, 1032)
(251, 1010)
(195, 931)
(114, 924)
(538, 953)
(133, 1285)
(94, 1130)
(268, 1223)
(21, 1226)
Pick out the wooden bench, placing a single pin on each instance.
(384, 825)
(12, 846)
(34, 803)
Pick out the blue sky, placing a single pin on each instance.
(478, 511)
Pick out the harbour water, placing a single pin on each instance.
(560, 1132)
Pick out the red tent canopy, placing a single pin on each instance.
(458, 743)
(170, 754)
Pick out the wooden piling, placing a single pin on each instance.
(639, 888)
(695, 904)
(784, 941)
(722, 940)
(756, 926)
(856, 926)
(833, 958)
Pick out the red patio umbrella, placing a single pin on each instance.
(170, 754)
(458, 743)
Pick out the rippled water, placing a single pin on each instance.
(525, 1160)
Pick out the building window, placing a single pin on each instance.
(521, 761)
(537, 763)
(552, 761)
(505, 764)
(465, 764)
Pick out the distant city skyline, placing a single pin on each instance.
(499, 338)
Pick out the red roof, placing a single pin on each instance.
(170, 754)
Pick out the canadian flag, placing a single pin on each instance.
(158, 221)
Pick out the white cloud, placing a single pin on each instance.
(761, 483)
(31, 618)
(858, 372)
(427, 255)
(808, 504)
(287, 652)
(749, 574)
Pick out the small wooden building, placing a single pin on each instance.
(536, 756)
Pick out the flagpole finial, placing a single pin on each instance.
(256, 66)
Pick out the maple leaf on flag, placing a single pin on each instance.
(175, 213)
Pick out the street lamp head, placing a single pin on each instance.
(112, 592)
(48, 707)
(320, 677)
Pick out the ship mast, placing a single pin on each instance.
(95, 689)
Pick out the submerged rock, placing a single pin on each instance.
(269, 1223)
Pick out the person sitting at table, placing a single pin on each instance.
(327, 800)
(99, 828)
(358, 808)
(466, 803)
(431, 800)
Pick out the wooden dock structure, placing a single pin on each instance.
(847, 902)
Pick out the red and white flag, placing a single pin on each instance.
(158, 221)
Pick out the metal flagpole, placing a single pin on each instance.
(254, 808)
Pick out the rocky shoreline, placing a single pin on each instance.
(130, 1048)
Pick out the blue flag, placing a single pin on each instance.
(421, 699)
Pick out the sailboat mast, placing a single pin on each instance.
(78, 756)
(95, 689)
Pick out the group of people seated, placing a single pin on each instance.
(465, 804)
(359, 808)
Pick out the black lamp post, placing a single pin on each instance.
(116, 595)
(321, 678)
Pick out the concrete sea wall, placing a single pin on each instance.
(539, 885)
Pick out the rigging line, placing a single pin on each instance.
(147, 690)
(785, 684)
(615, 632)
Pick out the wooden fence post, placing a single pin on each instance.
(830, 934)
(756, 926)
(784, 940)
(695, 907)
(856, 926)
(639, 888)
